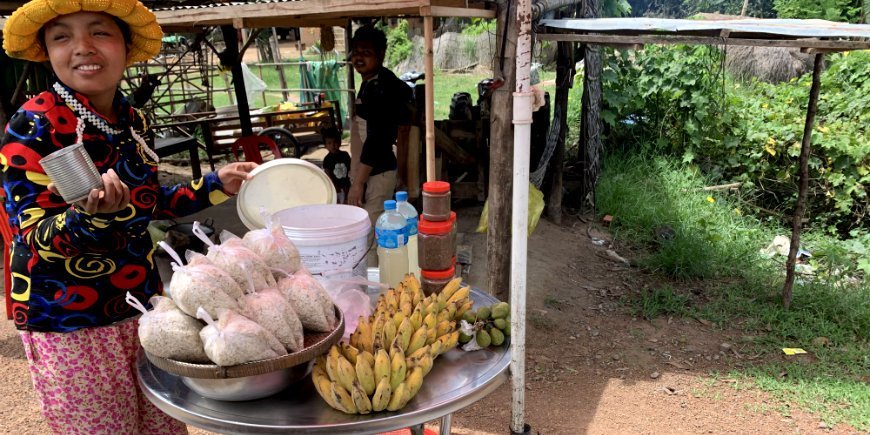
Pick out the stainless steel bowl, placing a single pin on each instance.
(248, 387)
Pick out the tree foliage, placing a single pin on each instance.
(677, 101)
(834, 10)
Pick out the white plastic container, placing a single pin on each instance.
(331, 238)
(282, 184)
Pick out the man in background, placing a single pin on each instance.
(383, 104)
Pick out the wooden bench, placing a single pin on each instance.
(294, 131)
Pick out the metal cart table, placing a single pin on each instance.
(457, 380)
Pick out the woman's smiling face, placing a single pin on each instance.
(88, 53)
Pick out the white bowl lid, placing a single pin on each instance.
(281, 184)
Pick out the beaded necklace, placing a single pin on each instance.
(84, 114)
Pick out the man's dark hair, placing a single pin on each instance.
(371, 34)
(330, 133)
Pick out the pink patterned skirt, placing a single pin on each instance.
(86, 382)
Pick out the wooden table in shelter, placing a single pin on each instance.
(295, 130)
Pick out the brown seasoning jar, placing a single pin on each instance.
(436, 244)
(436, 201)
(434, 280)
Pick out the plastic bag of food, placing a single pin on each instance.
(310, 301)
(348, 297)
(235, 339)
(201, 284)
(271, 310)
(167, 332)
(274, 246)
(234, 258)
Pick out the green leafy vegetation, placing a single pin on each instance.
(677, 101)
(399, 45)
(479, 26)
(658, 302)
(658, 203)
(834, 10)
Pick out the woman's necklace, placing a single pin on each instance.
(83, 114)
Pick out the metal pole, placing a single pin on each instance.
(232, 47)
(428, 55)
(522, 121)
(446, 422)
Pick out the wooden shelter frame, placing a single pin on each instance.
(309, 13)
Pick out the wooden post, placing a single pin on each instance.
(276, 44)
(413, 174)
(428, 60)
(351, 96)
(564, 83)
(590, 125)
(803, 183)
(501, 155)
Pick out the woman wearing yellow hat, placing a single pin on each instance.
(73, 264)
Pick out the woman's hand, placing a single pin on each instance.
(233, 174)
(112, 198)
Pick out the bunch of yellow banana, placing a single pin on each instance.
(390, 352)
(406, 316)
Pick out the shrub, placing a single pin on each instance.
(399, 45)
(677, 101)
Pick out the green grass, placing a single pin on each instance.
(660, 301)
(715, 241)
(651, 199)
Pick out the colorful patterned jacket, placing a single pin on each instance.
(72, 270)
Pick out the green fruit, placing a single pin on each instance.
(469, 316)
(501, 310)
(507, 329)
(463, 338)
(483, 313)
(483, 338)
(497, 337)
(500, 323)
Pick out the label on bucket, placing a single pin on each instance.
(390, 238)
(330, 258)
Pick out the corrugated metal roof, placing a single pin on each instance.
(777, 27)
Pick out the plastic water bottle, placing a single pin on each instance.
(392, 245)
(410, 213)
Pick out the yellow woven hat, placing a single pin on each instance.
(22, 28)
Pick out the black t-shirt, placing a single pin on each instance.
(337, 166)
(385, 103)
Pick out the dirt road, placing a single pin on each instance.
(592, 367)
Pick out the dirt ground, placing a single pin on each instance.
(591, 366)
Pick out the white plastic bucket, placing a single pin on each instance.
(331, 238)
